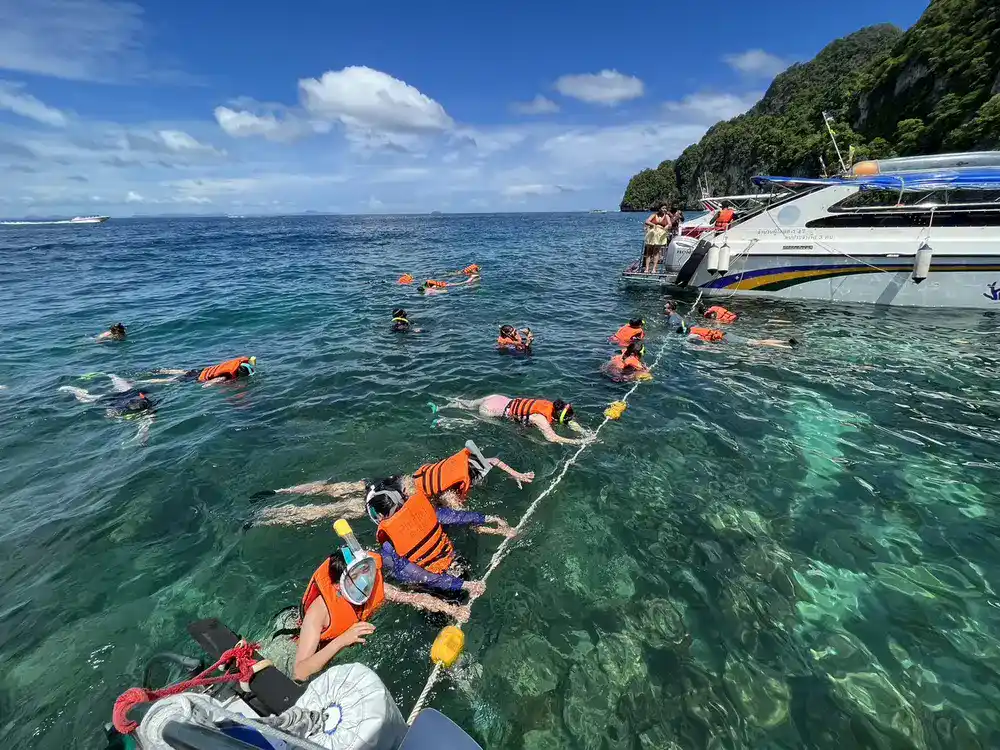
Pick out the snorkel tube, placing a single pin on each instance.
(352, 546)
(478, 457)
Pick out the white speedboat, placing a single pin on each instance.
(917, 232)
(88, 219)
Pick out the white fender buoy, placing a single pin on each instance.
(724, 254)
(922, 262)
(713, 259)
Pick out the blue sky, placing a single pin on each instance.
(118, 107)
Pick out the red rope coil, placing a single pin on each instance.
(242, 653)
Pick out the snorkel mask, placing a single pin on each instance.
(385, 488)
(357, 582)
(508, 331)
(250, 367)
(478, 462)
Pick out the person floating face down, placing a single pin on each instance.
(401, 322)
(126, 402)
(513, 341)
(721, 315)
(718, 336)
(446, 483)
(633, 331)
(237, 368)
(628, 364)
(536, 412)
(346, 591)
(114, 333)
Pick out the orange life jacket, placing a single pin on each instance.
(520, 409)
(721, 314)
(471, 270)
(452, 473)
(514, 342)
(405, 279)
(620, 363)
(416, 534)
(724, 219)
(707, 334)
(627, 333)
(228, 370)
(433, 283)
(343, 614)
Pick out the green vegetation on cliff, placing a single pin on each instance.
(935, 88)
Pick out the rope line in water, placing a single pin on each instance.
(505, 546)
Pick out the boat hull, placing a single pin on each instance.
(954, 281)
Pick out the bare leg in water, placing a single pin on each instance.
(489, 406)
(352, 506)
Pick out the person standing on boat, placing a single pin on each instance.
(678, 217)
(657, 230)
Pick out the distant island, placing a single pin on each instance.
(932, 89)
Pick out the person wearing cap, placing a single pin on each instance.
(346, 591)
(447, 483)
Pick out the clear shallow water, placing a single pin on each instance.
(771, 549)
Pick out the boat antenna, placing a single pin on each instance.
(833, 137)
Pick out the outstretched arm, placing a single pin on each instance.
(309, 658)
(546, 429)
(518, 476)
(426, 602)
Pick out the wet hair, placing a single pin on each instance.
(637, 322)
(557, 410)
(337, 565)
(421, 289)
(507, 330)
(635, 348)
(118, 330)
(380, 503)
(399, 312)
(670, 305)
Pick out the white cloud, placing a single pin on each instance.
(522, 191)
(81, 40)
(13, 99)
(756, 62)
(180, 142)
(710, 108)
(540, 105)
(366, 99)
(134, 197)
(242, 123)
(609, 87)
(619, 148)
(488, 142)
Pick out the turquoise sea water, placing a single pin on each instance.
(771, 549)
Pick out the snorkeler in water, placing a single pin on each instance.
(536, 412)
(719, 314)
(633, 331)
(628, 365)
(513, 341)
(718, 336)
(114, 333)
(349, 587)
(126, 402)
(233, 369)
(431, 287)
(446, 483)
(401, 322)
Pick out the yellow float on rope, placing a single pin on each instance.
(448, 646)
(616, 410)
(644, 376)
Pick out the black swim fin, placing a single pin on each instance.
(258, 496)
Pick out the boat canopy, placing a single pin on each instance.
(983, 178)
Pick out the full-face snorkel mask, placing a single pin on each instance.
(357, 582)
(478, 463)
(250, 368)
(387, 488)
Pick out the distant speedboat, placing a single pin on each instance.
(75, 220)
